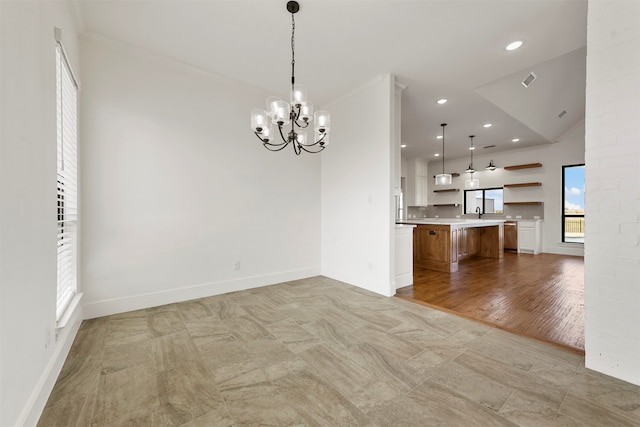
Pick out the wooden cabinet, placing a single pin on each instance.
(530, 236)
(441, 247)
(463, 250)
(469, 240)
(433, 248)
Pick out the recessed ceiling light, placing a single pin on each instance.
(472, 148)
(487, 125)
(437, 155)
(441, 101)
(515, 140)
(514, 45)
(403, 145)
(439, 137)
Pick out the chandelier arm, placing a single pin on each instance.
(319, 149)
(320, 141)
(285, 139)
(274, 147)
(266, 141)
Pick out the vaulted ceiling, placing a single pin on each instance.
(439, 49)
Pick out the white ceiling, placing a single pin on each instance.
(452, 49)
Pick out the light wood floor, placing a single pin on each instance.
(318, 352)
(539, 296)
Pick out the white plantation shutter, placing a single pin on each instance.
(67, 181)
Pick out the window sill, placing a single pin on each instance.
(68, 313)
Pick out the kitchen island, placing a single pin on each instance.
(440, 243)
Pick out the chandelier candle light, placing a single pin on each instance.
(299, 113)
(443, 178)
(471, 184)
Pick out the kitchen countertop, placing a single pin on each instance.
(453, 222)
(401, 225)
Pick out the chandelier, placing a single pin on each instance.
(443, 178)
(471, 184)
(299, 113)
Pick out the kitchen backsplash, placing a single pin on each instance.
(525, 212)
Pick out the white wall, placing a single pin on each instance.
(568, 150)
(176, 187)
(356, 181)
(612, 241)
(31, 353)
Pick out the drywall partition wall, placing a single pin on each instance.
(179, 196)
(569, 150)
(356, 180)
(32, 351)
(612, 241)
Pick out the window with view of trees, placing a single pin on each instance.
(573, 206)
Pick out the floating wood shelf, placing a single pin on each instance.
(522, 203)
(455, 205)
(524, 184)
(527, 166)
(448, 190)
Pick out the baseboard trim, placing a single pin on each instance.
(404, 280)
(384, 289)
(38, 399)
(138, 302)
(565, 249)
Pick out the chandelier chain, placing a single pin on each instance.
(293, 51)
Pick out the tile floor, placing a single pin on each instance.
(320, 352)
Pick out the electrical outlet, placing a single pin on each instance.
(236, 265)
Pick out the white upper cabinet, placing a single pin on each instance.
(417, 182)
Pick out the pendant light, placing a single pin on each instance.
(491, 166)
(443, 178)
(471, 184)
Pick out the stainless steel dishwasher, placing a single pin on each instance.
(510, 235)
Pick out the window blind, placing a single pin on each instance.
(67, 181)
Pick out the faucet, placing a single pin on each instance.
(479, 212)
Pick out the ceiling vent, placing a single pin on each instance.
(562, 113)
(489, 146)
(529, 79)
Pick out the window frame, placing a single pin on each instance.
(563, 215)
(67, 89)
(484, 190)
